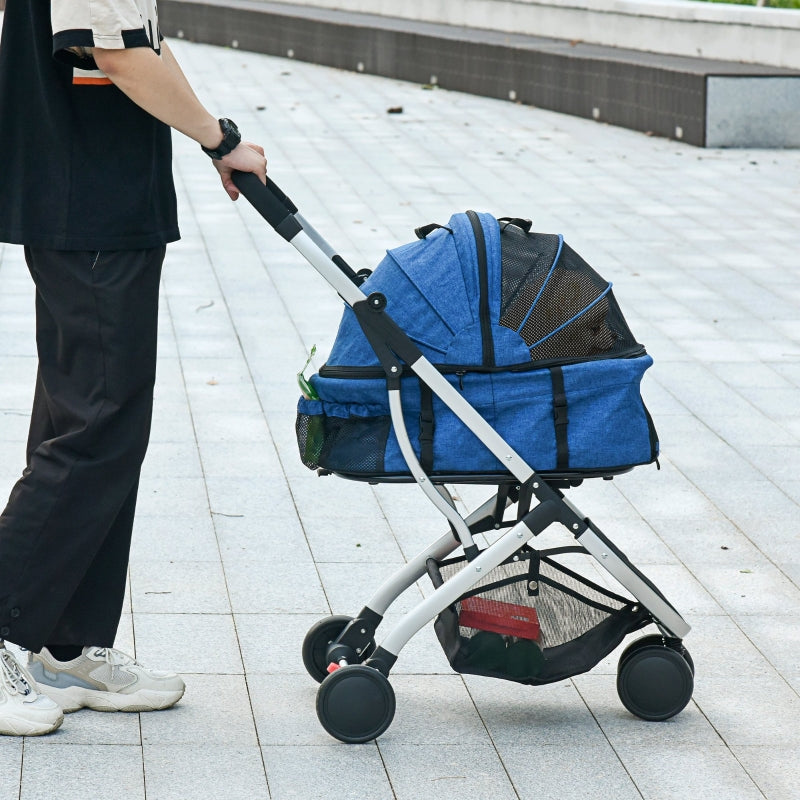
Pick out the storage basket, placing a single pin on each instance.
(532, 620)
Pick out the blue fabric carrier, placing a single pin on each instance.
(522, 326)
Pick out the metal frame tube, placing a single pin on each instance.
(431, 492)
(315, 236)
(311, 251)
(665, 615)
(417, 567)
(447, 594)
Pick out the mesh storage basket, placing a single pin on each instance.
(532, 620)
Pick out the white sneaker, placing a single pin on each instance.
(23, 711)
(104, 679)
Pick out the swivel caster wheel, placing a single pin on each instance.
(355, 704)
(654, 682)
(315, 645)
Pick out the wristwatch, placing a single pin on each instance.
(230, 138)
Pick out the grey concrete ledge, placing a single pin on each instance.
(699, 101)
(721, 31)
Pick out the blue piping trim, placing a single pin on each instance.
(552, 268)
(570, 321)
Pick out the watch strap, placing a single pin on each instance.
(230, 139)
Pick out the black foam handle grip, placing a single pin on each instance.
(284, 198)
(270, 202)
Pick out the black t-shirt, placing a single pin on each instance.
(83, 167)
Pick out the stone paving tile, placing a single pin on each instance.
(247, 496)
(555, 714)
(442, 772)
(74, 771)
(214, 711)
(283, 709)
(348, 586)
(566, 770)
(274, 538)
(264, 588)
(663, 772)
(773, 769)
(86, 727)
(317, 772)
(177, 772)
(252, 548)
(690, 728)
(178, 587)
(172, 640)
(271, 643)
(10, 767)
(174, 538)
(434, 710)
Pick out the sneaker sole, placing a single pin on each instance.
(75, 698)
(26, 727)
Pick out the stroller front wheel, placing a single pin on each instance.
(355, 704)
(655, 682)
(320, 636)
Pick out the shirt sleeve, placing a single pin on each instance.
(110, 24)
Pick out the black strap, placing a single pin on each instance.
(424, 230)
(525, 497)
(500, 502)
(533, 574)
(427, 426)
(560, 420)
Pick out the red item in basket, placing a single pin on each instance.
(504, 618)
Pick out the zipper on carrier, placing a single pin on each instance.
(342, 371)
(487, 341)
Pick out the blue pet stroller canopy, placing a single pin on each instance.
(528, 332)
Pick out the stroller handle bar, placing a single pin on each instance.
(272, 203)
(277, 208)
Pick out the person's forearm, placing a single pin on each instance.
(160, 88)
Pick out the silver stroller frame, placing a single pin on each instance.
(356, 702)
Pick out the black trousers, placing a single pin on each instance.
(65, 533)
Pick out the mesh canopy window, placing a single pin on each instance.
(559, 305)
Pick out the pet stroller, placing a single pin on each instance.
(483, 353)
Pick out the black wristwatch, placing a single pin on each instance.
(230, 138)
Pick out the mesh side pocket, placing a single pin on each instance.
(351, 445)
(532, 620)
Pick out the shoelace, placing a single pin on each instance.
(116, 658)
(11, 676)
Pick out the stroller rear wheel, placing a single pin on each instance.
(658, 640)
(355, 704)
(654, 681)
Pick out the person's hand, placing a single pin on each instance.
(245, 157)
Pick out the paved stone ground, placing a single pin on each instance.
(239, 549)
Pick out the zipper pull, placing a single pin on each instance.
(461, 374)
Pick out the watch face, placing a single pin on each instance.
(228, 126)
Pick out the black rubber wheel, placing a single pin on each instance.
(658, 640)
(355, 704)
(315, 645)
(655, 682)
